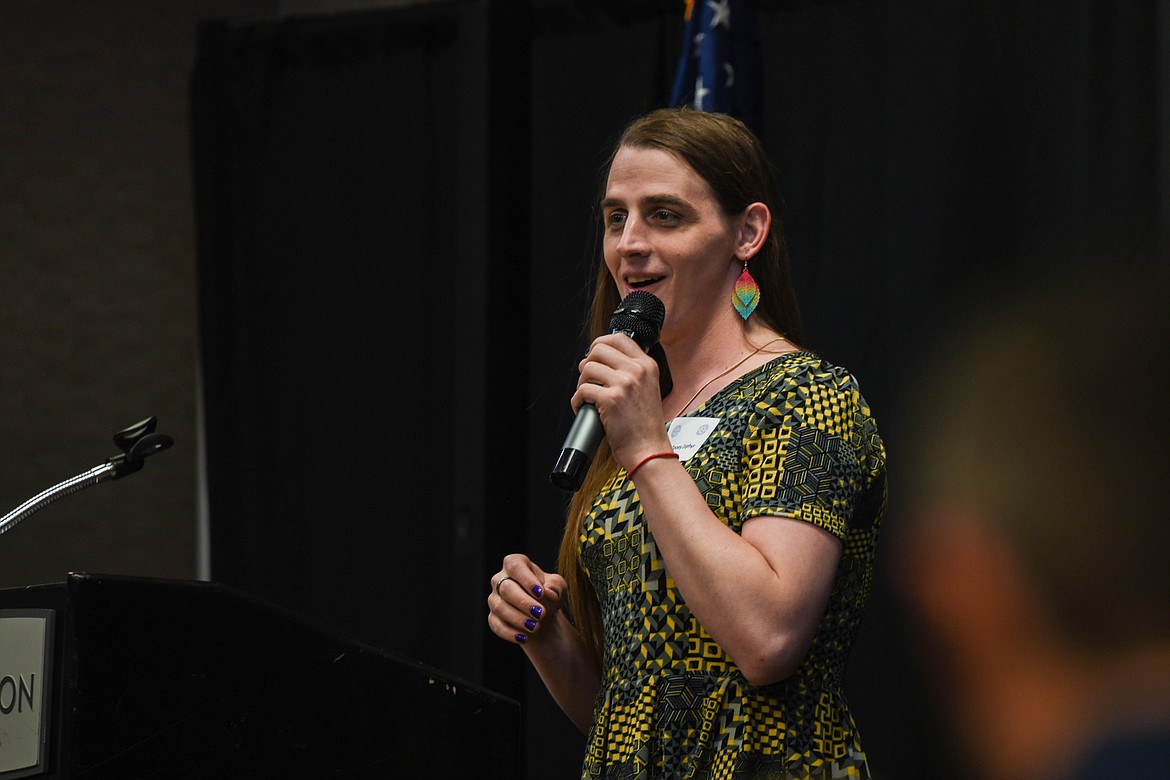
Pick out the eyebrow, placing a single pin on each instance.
(662, 199)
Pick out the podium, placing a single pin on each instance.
(147, 678)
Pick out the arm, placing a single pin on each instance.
(526, 610)
(760, 593)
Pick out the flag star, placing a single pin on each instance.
(722, 13)
(701, 93)
(730, 71)
(698, 49)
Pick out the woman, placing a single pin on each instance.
(717, 560)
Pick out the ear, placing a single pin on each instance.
(971, 589)
(754, 227)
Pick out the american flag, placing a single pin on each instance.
(719, 66)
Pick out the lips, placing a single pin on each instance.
(637, 282)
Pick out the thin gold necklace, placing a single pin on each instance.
(725, 372)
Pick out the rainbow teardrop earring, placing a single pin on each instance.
(747, 293)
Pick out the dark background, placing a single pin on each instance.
(367, 235)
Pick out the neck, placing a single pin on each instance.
(1037, 713)
(714, 346)
(709, 363)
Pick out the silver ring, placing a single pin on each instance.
(501, 582)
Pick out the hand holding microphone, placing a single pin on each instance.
(639, 316)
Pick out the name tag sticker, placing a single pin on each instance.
(687, 434)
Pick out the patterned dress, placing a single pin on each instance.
(792, 438)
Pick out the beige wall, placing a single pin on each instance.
(97, 277)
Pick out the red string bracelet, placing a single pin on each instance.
(640, 463)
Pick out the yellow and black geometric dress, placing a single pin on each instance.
(793, 438)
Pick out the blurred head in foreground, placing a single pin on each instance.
(1035, 560)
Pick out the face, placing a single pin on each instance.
(665, 233)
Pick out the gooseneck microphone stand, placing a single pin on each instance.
(136, 442)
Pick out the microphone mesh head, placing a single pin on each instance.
(640, 315)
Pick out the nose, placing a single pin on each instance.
(633, 238)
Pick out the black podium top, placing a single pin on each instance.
(180, 679)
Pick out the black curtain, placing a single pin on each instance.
(395, 241)
(348, 183)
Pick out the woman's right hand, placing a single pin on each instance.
(522, 598)
(622, 383)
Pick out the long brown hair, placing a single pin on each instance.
(729, 157)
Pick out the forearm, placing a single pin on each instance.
(559, 655)
(760, 598)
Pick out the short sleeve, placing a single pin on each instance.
(804, 454)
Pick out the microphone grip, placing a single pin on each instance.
(579, 448)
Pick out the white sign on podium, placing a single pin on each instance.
(26, 640)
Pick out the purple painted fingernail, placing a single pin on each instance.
(522, 638)
(530, 624)
(536, 610)
(537, 591)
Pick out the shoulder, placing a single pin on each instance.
(805, 391)
(807, 373)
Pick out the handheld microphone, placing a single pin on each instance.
(639, 316)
